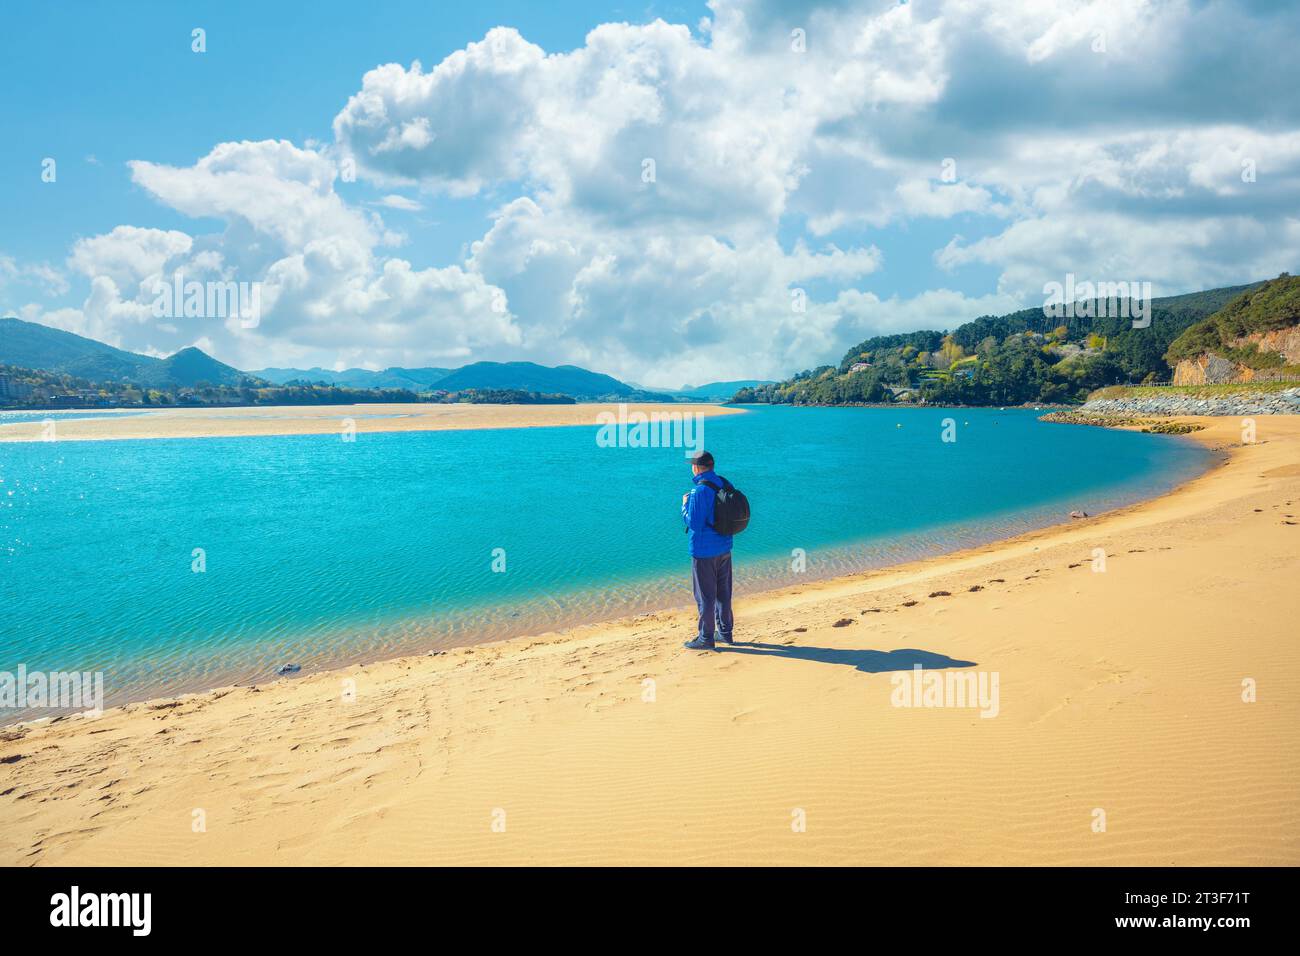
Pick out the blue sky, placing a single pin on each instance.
(120, 82)
(899, 166)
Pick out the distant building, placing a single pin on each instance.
(859, 366)
(12, 390)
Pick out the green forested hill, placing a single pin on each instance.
(34, 346)
(1025, 356)
(1273, 305)
(30, 345)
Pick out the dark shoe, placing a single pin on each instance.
(700, 644)
(725, 639)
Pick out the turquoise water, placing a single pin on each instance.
(15, 418)
(320, 551)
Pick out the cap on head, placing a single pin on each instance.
(702, 458)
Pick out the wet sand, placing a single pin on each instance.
(332, 419)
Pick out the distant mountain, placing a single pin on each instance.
(38, 347)
(190, 366)
(29, 345)
(720, 390)
(514, 376)
(531, 377)
(414, 379)
(34, 346)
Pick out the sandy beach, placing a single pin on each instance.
(330, 419)
(1122, 648)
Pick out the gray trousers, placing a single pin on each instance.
(711, 579)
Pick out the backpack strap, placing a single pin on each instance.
(716, 491)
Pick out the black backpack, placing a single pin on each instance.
(730, 509)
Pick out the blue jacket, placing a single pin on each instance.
(697, 515)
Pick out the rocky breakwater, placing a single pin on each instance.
(1137, 411)
(1237, 403)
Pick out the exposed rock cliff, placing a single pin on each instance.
(1211, 369)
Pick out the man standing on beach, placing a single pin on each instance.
(710, 555)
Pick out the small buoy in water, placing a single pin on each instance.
(899, 425)
(288, 668)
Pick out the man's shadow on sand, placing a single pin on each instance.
(869, 662)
